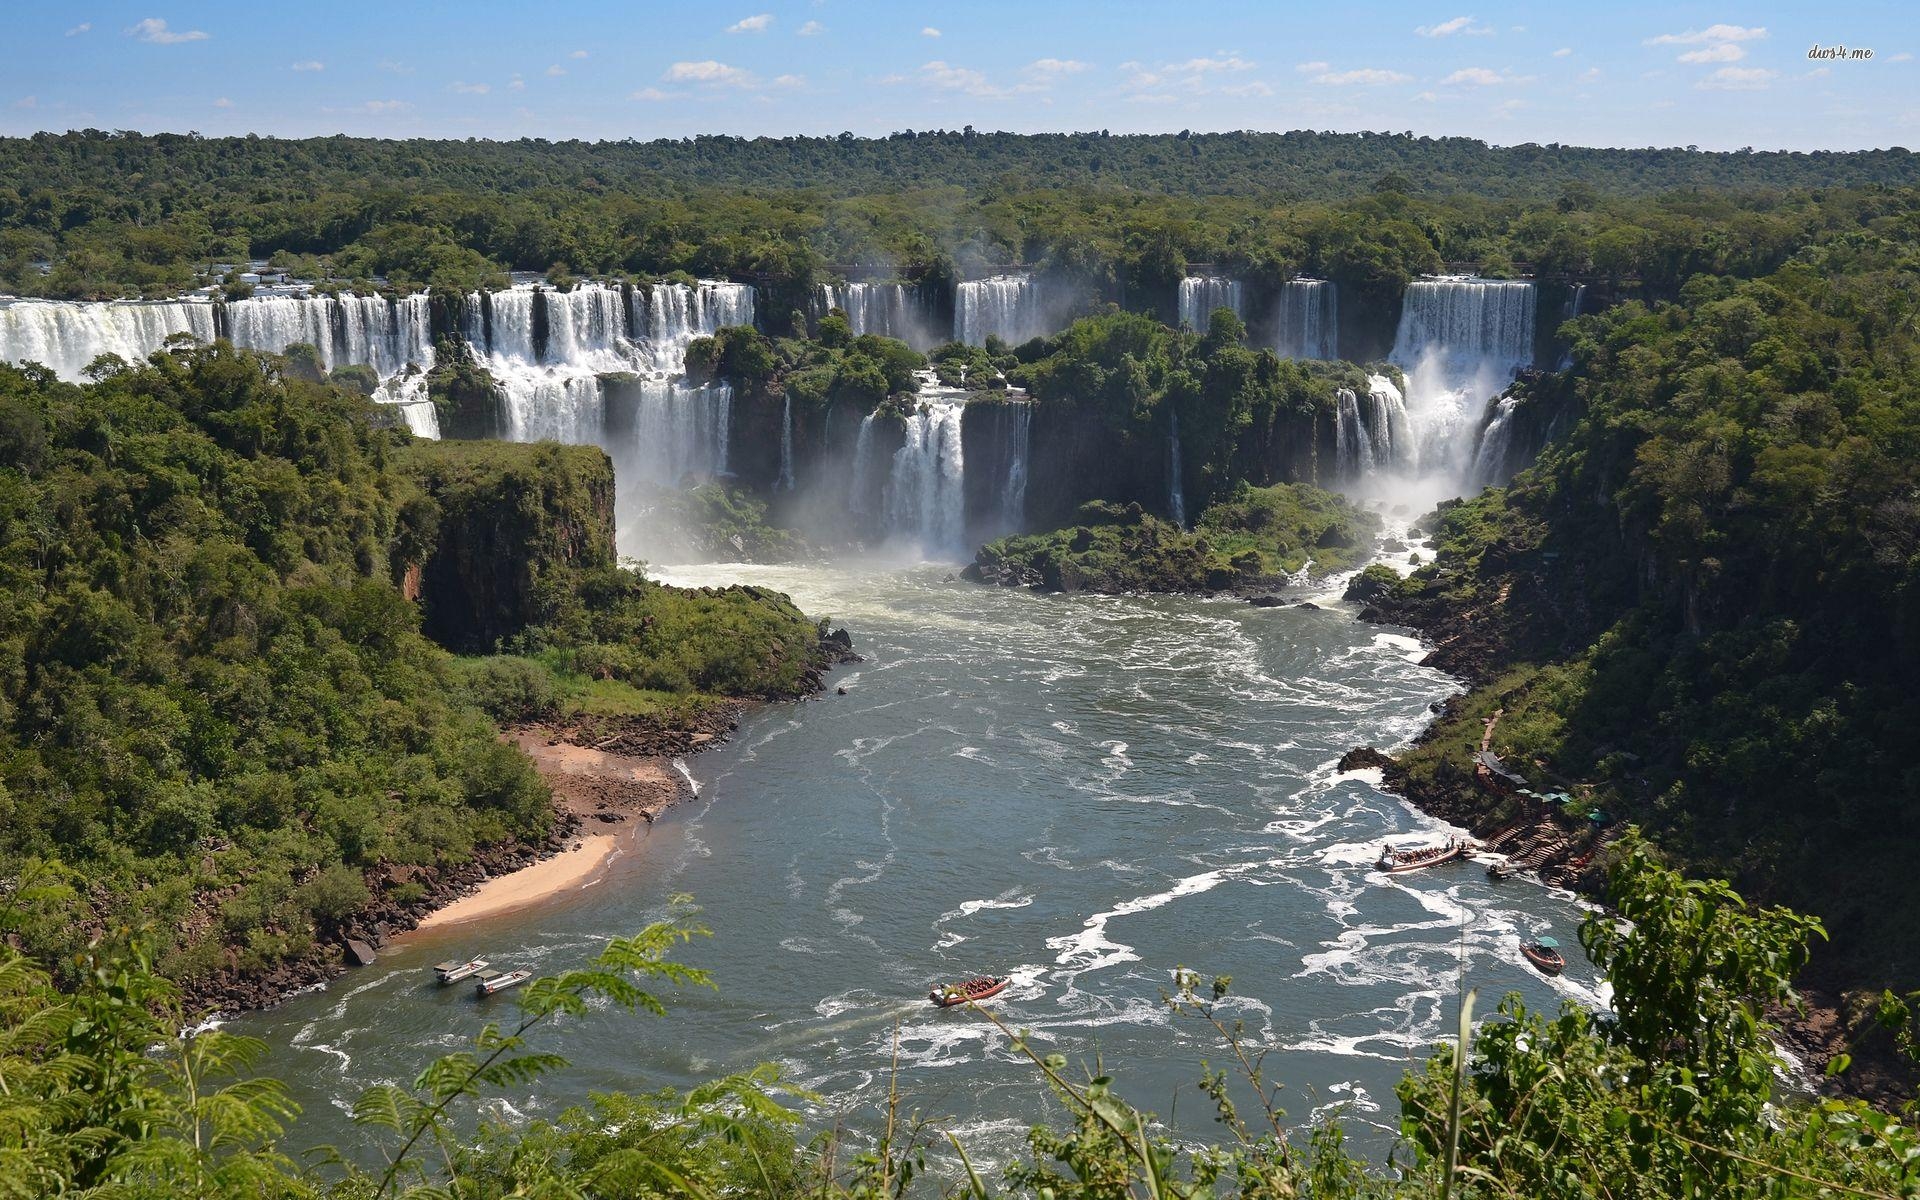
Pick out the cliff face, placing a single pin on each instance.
(510, 525)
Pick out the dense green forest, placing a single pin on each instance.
(98, 215)
(1701, 608)
(1671, 1094)
(221, 728)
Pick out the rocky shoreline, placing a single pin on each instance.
(638, 784)
(1546, 842)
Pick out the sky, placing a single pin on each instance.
(1720, 76)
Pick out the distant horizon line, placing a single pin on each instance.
(916, 134)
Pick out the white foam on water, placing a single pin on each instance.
(1092, 950)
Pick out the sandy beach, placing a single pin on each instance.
(615, 797)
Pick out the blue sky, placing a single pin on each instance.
(1720, 76)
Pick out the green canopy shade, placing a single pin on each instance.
(1549, 943)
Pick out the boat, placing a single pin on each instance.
(1503, 869)
(489, 982)
(1544, 953)
(1397, 862)
(453, 972)
(949, 994)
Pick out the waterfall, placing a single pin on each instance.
(1201, 294)
(1460, 342)
(374, 331)
(66, 335)
(549, 350)
(1013, 492)
(1308, 325)
(1176, 492)
(390, 335)
(1007, 306)
(1496, 444)
(1576, 300)
(785, 482)
(926, 495)
(895, 310)
(861, 484)
(1372, 433)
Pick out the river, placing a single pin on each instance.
(1082, 791)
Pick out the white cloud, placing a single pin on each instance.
(1712, 33)
(155, 30)
(79, 29)
(1738, 79)
(1223, 62)
(1311, 68)
(1563, 52)
(556, 70)
(384, 106)
(516, 84)
(929, 31)
(710, 72)
(1903, 56)
(311, 64)
(1154, 98)
(1482, 77)
(1253, 89)
(755, 24)
(966, 80)
(1363, 76)
(789, 81)
(1590, 75)
(223, 102)
(397, 68)
(1053, 68)
(811, 29)
(654, 94)
(469, 89)
(578, 54)
(1456, 25)
(27, 102)
(1427, 97)
(1718, 52)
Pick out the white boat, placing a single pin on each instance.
(453, 972)
(489, 982)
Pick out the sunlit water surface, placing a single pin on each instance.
(1084, 792)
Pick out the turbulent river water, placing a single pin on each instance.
(1082, 791)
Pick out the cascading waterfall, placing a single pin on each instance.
(372, 331)
(550, 349)
(1006, 306)
(785, 482)
(390, 335)
(1496, 444)
(1201, 294)
(1176, 491)
(861, 484)
(1308, 323)
(1013, 491)
(895, 310)
(66, 335)
(1372, 432)
(926, 490)
(1460, 342)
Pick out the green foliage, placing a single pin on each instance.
(1713, 580)
(1252, 539)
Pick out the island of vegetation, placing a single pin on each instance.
(1257, 539)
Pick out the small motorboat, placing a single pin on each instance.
(486, 983)
(1398, 862)
(949, 994)
(1502, 869)
(453, 972)
(1544, 953)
